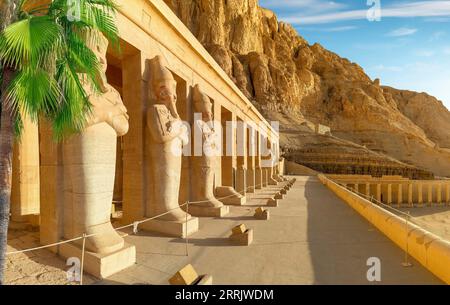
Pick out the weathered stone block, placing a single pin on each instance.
(172, 228)
(102, 265)
(272, 202)
(278, 195)
(243, 239)
(228, 195)
(186, 276)
(240, 229)
(262, 214)
(201, 211)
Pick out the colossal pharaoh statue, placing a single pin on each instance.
(89, 169)
(203, 167)
(168, 136)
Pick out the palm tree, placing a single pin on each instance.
(43, 52)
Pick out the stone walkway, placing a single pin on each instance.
(311, 238)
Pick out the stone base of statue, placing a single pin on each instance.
(204, 211)
(228, 195)
(180, 229)
(272, 181)
(101, 265)
(272, 202)
(278, 178)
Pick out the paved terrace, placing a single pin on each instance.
(311, 238)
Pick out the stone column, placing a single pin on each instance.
(227, 192)
(251, 160)
(135, 157)
(229, 161)
(419, 193)
(389, 194)
(378, 195)
(51, 187)
(410, 194)
(265, 176)
(400, 195)
(447, 193)
(367, 190)
(258, 167)
(439, 193)
(241, 159)
(25, 194)
(430, 194)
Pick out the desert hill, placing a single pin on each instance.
(301, 85)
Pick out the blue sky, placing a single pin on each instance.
(407, 48)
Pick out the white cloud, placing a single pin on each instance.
(388, 68)
(341, 28)
(437, 36)
(402, 32)
(424, 53)
(332, 29)
(404, 10)
(316, 6)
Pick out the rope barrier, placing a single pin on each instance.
(134, 225)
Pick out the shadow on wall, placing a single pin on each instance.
(341, 242)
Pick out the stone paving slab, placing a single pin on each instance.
(311, 238)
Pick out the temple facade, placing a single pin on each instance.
(162, 96)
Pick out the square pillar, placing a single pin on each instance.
(241, 180)
(251, 159)
(25, 193)
(134, 153)
(430, 194)
(410, 194)
(251, 180)
(400, 195)
(367, 190)
(439, 193)
(420, 193)
(258, 178)
(389, 194)
(229, 160)
(241, 157)
(447, 193)
(265, 177)
(378, 194)
(51, 187)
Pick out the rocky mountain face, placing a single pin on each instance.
(302, 85)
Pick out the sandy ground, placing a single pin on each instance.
(435, 219)
(40, 267)
(312, 237)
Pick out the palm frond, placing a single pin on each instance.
(33, 92)
(26, 41)
(71, 114)
(54, 63)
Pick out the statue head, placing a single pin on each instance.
(202, 104)
(163, 84)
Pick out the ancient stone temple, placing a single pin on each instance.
(138, 149)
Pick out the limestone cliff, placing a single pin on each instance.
(301, 85)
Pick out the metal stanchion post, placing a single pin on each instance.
(187, 238)
(82, 259)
